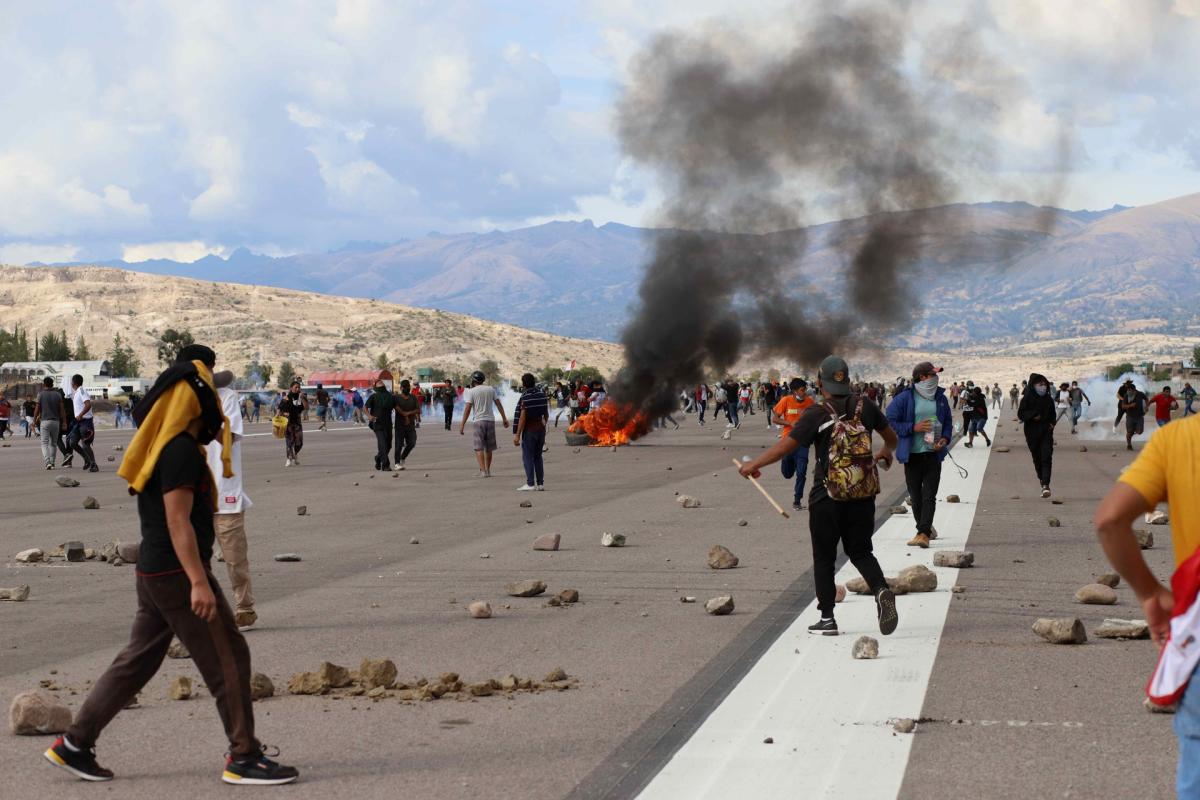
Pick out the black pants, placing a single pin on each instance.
(923, 474)
(449, 416)
(406, 440)
(383, 445)
(853, 523)
(1040, 439)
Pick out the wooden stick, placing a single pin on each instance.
(765, 494)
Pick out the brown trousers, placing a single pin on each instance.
(218, 650)
(231, 535)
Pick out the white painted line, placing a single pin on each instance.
(828, 713)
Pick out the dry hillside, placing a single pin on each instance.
(242, 322)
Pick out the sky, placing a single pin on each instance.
(167, 129)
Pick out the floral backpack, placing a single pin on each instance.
(852, 473)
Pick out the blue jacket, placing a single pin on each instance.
(900, 414)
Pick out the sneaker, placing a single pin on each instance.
(92, 468)
(541, 487)
(797, 506)
(245, 618)
(287, 462)
(885, 609)
(967, 444)
(400, 465)
(295, 462)
(824, 627)
(67, 461)
(480, 474)
(257, 771)
(529, 487)
(920, 540)
(80, 763)
(396, 467)
(49, 466)
(1045, 491)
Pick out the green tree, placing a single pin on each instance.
(286, 373)
(587, 374)
(491, 372)
(171, 342)
(550, 374)
(14, 346)
(53, 347)
(1196, 356)
(1120, 369)
(122, 361)
(82, 353)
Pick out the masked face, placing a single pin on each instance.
(1040, 389)
(1130, 396)
(927, 386)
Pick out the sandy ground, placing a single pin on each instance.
(640, 656)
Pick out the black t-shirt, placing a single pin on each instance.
(1139, 408)
(815, 427)
(180, 464)
(408, 403)
(322, 397)
(293, 409)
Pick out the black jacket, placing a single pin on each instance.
(1036, 410)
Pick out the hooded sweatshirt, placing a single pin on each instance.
(1035, 405)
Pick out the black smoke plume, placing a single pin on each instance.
(738, 137)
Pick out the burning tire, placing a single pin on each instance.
(577, 439)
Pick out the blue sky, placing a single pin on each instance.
(174, 129)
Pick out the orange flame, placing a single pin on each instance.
(612, 424)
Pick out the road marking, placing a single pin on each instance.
(826, 713)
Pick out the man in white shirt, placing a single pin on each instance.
(478, 402)
(83, 430)
(229, 522)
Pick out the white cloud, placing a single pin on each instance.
(28, 252)
(176, 251)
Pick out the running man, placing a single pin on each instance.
(177, 595)
(478, 402)
(408, 417)
(1037, 413)
(921, 417)
(852, 522)
(1078, 397)
(1163, 403)
(1133, 406)
(83, 431)
(1189, 397)
(786, 413)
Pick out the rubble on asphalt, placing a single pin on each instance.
(480, 610)
(30, 556)
(181, 688)
(1109, 579)
(687, 501)
(17, 594)
(1123, 629)
(178, 650)
(960, 559)
(289, 557)
(66, 482)
(261, 687)
(612, 540)
(377, 680)
(719, 606)
(720, 557)
(1061, 630)
(1096, 594)
(865, 648)
(37, 713)
(526, 588)
(91, 503)
(1145, 539)
(549, 541)
(904, 725)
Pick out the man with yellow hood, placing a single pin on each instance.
(177, 594)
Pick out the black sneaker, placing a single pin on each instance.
(67, 461)
(885, 608)
(92, 468)
(1045, 491)
(257, 771)
(80, 763)
(824, 627)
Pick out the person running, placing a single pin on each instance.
(531, 414)
(28, 411)
(850, 521)
(408, 417)
(293, 405)
(955, 390)
(924, 424)
(478, 403)
(1013, 394)
(1124, 388)
(322, 407)
(1163, 403)
(1133, 406)
(1164, 471)
(445, 397)
(786, 414)
(1189, 397)
(257, 399)
(1062, 402)
(177, 595)
(561, 402)
(1037, 413)
(977, 403)
(379, 408)
(48, 416)
(701, 395)
(1077, 397)
(229, 522)
(83, 430)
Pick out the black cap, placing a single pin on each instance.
(835, 376)
(924, 368)
(198, 352)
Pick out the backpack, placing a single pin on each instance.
(852, 474)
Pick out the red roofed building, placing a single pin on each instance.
(349, 378)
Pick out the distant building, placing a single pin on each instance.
(349, 379)
(93, 372)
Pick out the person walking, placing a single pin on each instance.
(702, 401)
(28, 411)
(977, 403)
(1013, 394)
(322, 407)
(1133, 406)
(1077, 397)
(293, 405)
(48, 416)
(379, 408)
(842, 500)
(445, 397)
(1037, 413)
(257, 400)
(1189, 397)
(479, 401)
(83, 429)
(408, 417)
(786, 413)
(177, 595)
(229, 522)
(5, 416)
(561, 402)
(1164, 472)
(997, 397)
(924, 424)
(532, 414)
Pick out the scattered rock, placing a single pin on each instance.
(1145, 539)
(30, 556)
(128, 551)
(90, 554)
(527, 588)
(721, 558)
(1154, 708)
(108, 552)
(181, 688)
(1061, 630)
(414, 540)
(526, 504)
(66, 482)
(917, 578)
(1053, 522)
(480, 609)
(865, 647)
(555, 675)
(898, 510)
(1096, 594)
(769, 740)
(75, 551)
(1123, 629)
(549, 541)
(905, 725)
(1056, 502)
(335, 676)
(858, 586)
(839, 593)
(37, 713)
(687, 501)
(952, 498)
(287, 557)
(17, 594)
(687, 599)
(485, 555)
(480, 689)
(301, 510)
(178, 650)
(742, 523)
(307, 683)
(91, 503)
(956, 589)
(613, 540)
(376, 672)
(118, 447)
(1083, 448)
(1111, 579)
(959, 559)
(568, 596)
(719, 606)
(1000, 449)
(1157, 518)
(112, 458)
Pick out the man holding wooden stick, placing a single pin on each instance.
(845, 482)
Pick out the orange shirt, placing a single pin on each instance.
(789, 410)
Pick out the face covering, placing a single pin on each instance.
(1040, 389)
(1130, 397)
(927, 387)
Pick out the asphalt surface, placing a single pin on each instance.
(644, 662)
